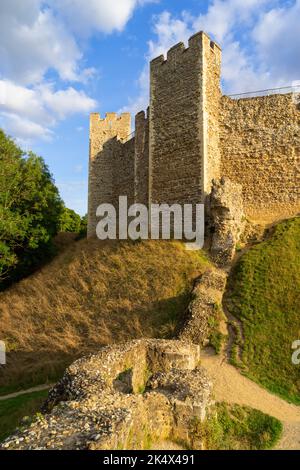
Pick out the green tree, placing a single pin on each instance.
(70, 221)
(30, 210)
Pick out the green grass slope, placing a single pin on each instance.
(264, 293)
(234, 427)
(12, 411)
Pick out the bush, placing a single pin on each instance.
(70, 221)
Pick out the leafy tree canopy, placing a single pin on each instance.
(30, 210)
(69, 221)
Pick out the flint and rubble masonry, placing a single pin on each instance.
(192, 134)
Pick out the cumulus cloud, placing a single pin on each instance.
(25, 129)
(33, 41)
(31, 113)
(260, 42)
(38, 37)
(100, 15)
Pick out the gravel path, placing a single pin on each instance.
(232, 387)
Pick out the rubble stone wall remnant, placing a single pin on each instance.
(226, 220)
(124, 397)
(206, 300)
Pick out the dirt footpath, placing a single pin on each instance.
(232, 387)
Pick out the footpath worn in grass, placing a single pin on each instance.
(92, 294)
(234, 427)
(264, 293)
(12, 411)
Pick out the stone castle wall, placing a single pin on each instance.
(211, 101)
(126, 397)
(123, 171)
(141, 178)
(192, 135)
(260, 147)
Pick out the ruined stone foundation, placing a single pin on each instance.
(124, 397)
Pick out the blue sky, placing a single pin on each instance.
(62, 59)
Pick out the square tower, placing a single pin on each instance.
(184, 120)
(102, 137)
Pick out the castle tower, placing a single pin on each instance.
(184, 115)
(102, 133)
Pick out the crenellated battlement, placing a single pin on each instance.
(102, 130)
(176, 51)
(198, 41)
(111, 121)
(185, 94)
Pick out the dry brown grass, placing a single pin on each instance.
(92, 294)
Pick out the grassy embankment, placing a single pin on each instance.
(92, 294)
(264, 294)
(234, 427)
(12, 411)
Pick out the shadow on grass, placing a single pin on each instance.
(28, 369)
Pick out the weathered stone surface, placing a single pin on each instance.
(206, 298)
(111, 164)
(260, 149)
(124, 397)
(227, 219)
(184, 100)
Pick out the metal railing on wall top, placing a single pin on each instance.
(268, 92)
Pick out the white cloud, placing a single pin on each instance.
(38, 37)
(223, 17)
(31, 113)
(65, 102)
(277, 37)
(33, 41)
(20, 100)
(169, 31)
(25, 129)
(100, 15)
